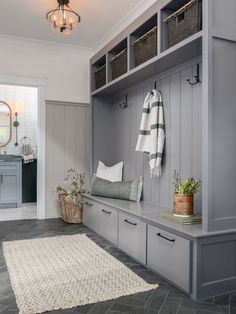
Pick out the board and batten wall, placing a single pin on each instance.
(183, 122)
(67, 146)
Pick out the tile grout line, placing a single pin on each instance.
(180, 303)
(164, 302)
(110, 306)
(148, 299)
(91, 308)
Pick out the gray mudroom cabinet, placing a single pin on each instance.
(90, 213)
(170, 255)
(132, 236)
(108, 223)
(200, 122)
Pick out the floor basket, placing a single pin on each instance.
(119, 64)
(145, 47)
(184, 22)
(69, 211)
(100, 76)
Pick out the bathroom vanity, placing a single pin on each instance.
(10, 181)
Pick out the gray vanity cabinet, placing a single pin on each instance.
(169, 255)
(10, 184)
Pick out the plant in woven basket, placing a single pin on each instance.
(73, 187)
(184, 195)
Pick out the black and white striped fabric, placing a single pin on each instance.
(152, 131)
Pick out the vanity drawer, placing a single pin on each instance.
(108, 223)
(169, 255)
(90, 213)
(132, 237)
(5, 166)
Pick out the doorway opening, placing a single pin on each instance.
(19, 152)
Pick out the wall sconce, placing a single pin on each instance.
(16, 125)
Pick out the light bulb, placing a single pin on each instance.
(54, 21)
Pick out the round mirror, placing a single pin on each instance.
(5, 123)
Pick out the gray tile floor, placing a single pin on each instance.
(164, 300)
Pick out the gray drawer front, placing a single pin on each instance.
(132, 237)
(169, 255)
(5, 166)
(108, 223)
(90, 214)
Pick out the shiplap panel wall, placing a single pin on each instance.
(67, 146)
(24, 99)
(183, 120)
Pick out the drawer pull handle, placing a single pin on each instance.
(106, 211)
(161, 236)
(89, 204)
(131, 223)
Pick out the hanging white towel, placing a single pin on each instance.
(152, 131)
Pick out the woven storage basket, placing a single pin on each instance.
(145, 47)
(70, 213)
(119, 64)
(100, 76)
(184, 22)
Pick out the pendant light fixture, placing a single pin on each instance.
(63, 19)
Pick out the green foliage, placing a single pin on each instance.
(73, 187)
(188, 186)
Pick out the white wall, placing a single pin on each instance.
(66, 68)
(62, 72)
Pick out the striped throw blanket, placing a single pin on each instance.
(152, 131)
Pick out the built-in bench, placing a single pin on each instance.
(184, 255)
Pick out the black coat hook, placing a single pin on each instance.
(124, 104)
(155, 87)
(197, 78)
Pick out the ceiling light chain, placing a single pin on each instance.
(63, 18)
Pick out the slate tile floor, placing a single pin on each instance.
(164, 300)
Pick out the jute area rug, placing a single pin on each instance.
(64, 272)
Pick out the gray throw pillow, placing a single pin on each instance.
(125, 190)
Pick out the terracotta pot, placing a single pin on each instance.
(183, 205)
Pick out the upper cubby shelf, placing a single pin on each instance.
(98, 73)
(160, 41)
(179, 20)
(143, 43)
(118, 60)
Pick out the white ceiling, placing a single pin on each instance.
(26, 18)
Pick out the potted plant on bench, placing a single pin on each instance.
(184, 195)
(70, 196)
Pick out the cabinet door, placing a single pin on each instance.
(90, 214)
(169, 255)
(10, 187)
(132, 237)
(108, 223)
